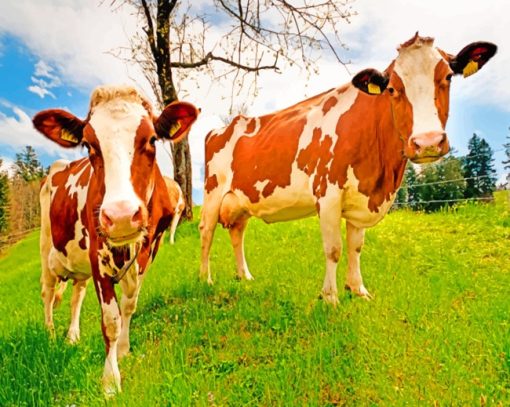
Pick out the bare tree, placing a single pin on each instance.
(234, 39)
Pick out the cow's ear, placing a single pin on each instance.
(176, 120)
(60, 126)
(371, 81)
(472, 57)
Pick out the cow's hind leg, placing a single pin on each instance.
(237, 238)
(50, 266)
(48, 283)
(355, 240)
(330, 218)
(79, 290)
(234, 217)
(173, 226)
(208, 222)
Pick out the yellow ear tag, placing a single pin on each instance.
(374, 89)
(470, 68)
(67, 136)
(174, 129)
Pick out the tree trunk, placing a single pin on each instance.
(180, 154)
(182, 174)
(180, 151)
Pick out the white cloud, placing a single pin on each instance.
(40, 91)
(44, 80)
(17, 131)
(72, 37)
(43, 69)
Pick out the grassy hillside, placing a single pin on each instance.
(436, 332)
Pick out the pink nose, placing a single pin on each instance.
(121, 219)
(430, 145)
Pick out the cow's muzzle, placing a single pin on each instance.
(123, 222)
(427, 147)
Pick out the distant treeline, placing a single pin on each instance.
(19, 196)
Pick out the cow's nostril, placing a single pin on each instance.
(416, 146)
(137, 217)
(443, 139)
(106, 220)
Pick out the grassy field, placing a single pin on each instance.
(437, 332)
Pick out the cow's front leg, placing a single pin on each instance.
(130, 286)
(355, 240)
(330, 217)
(111, 326)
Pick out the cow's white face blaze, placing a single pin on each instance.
(416, 66)
(115, 124)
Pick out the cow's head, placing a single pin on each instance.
(418, 85)
(119, 134)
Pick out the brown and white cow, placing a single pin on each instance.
(103, 216)
(340, 154)
(176, 202)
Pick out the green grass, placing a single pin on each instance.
(437, 331)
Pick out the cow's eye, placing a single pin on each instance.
(152, 140)
(449, 77)
(391, 90)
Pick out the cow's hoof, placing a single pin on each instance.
(360, 291)
(110, 387)
(205, 277)
(245, 276)
(73, 336)
(330, 298)
(51, 331)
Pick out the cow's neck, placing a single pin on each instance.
(369, 143)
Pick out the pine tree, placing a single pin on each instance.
(506, 163)
(27, 165)
(479, 169)
(407, 194)
(441, 184)
(413, 195)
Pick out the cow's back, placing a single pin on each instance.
(274, 164)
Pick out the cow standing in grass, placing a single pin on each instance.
(340, 154)
(103, 216)
(177, 203)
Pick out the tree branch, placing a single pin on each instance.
(211, 57)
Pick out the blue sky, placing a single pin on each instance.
(54, 52)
